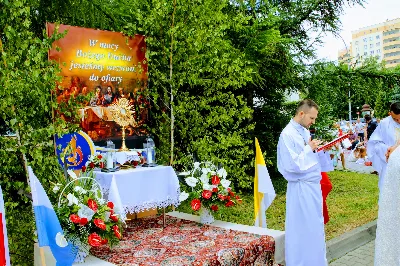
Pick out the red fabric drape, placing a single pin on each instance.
(326, 187)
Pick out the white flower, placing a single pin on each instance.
(72, 174)
(222, 173)
(107, 216)
(196, 165)
(191, 181)
(80, 190)
(56, 188)
(225, 183)
(101, 201)
(72, 199)
(60, 240)
(183, 196)
(85, 212)
(207, 187)
(205, 170)
(204, 178)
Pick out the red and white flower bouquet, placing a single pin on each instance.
(208, 189)
(86, 218)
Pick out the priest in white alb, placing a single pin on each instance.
(383, 140)
(299, 163)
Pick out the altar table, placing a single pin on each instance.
(141, 189)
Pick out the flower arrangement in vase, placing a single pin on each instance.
(208, 190)
(86, 218)
(95, 161)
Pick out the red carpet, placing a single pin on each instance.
(183, 242)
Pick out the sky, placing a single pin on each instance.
(373, 12)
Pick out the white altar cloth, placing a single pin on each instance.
(279, 236)
(142, 188)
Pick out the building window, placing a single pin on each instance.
(370, 38)
(378, 37)
(365, 39)
(378, 51)
(372, 52)
(365, 46)
(371, 45)
(378, 44)
(356, 42)
(365, 53)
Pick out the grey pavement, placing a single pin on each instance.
(362, 256)
(355, 167)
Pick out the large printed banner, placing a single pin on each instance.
(109, 66)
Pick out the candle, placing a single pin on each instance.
(109, 160)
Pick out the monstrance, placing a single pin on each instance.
(123, 116)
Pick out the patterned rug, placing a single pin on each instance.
(183, 242)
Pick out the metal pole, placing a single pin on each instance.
(349, 108)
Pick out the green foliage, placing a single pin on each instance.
(330, 85)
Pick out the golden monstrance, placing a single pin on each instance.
(123, 116)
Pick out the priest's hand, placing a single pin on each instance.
(314, 144)
(390, 150)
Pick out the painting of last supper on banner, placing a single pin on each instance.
(104, 66)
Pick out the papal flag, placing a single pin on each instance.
(4, 255)
(264, 192)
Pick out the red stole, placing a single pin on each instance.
(326, 187)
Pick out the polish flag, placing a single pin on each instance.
(4, 255)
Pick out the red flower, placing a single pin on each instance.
(74, 218)
(229, 204)
(100, 224)
(114, 217)
(206, 194)
(99, 156)
(196, 204)
(229, 189)
(228, 198)
(215, 190)
(214, 208)
(231, 193)
(215, 180)
(83, 221)
(139, 154)
(104, 241)
(117, 233)
(83, 168)
(94, 240)
(92, 204)
(221, 197)
(91, 165)
(111, 212)
(110, 205)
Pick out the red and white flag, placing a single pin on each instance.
(4, 255)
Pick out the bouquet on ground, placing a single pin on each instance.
(209, 188)
(86, 218)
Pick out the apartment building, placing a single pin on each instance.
(380, 40)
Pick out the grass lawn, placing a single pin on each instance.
(352, 202)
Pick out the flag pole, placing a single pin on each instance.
(42, 257)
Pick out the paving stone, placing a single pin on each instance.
(362, 256)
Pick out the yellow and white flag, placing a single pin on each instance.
(264, 192)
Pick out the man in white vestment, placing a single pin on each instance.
(383, 140)
(299, 163)
(387, 242)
